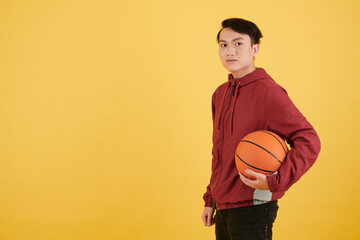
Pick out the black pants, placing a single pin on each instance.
(246, 223)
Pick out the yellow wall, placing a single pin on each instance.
(105, 115)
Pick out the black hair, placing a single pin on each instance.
(242, 26)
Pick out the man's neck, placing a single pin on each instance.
(243, 72)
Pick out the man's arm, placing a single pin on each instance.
(287, 121)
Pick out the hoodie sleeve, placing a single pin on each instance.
(208, 196)
(287, 121)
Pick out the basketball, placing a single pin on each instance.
(260, 151)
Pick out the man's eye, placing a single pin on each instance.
(238, 43)
(223, 45)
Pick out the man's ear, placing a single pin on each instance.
(255, 49)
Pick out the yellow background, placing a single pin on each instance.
(105, 115)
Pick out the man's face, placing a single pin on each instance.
(236, 52)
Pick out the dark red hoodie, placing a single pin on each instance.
(244, 105)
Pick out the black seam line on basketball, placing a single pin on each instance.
(262, 149)
(253, 166)
(276, 139)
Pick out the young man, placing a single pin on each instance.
(249, 101)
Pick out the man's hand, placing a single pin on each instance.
(260, 181)
(208, 216)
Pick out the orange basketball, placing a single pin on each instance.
(260, 151)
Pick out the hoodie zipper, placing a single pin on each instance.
(223, 132)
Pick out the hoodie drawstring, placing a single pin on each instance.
(235, 94)
(233, 107)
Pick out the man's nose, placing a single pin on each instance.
(230, 51)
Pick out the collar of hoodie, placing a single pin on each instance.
(233, 89)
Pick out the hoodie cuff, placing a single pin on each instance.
(273, 185)
(209, 202)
